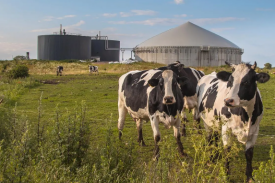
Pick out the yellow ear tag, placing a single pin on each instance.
(150, 85)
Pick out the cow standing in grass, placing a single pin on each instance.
(188, 88)
(59, 70)
(151, 95)
(234, 99)
(93, 69)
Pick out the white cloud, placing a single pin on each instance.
(155, 21)
(138, 13)
(81, 22)
(215, 20)
(66, 16)
(178, 1)
(109, 14)
(10, 47)
(221, 29)
(144, 12)
(123, 14)
(50, 18)
(182, 15)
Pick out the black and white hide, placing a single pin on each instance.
(93, 69)
(151, 95)
(234, 101)
(59, 70)
(188, 89)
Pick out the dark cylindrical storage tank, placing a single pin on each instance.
(107, 50)
(62, 47)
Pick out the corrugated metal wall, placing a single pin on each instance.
(62, 47)
(189, 56)
(98, 49)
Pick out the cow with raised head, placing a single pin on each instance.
(152, 95)
(93, 69)
(59, 70)
(233, 101)
(188, 88)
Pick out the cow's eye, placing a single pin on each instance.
(245, 83)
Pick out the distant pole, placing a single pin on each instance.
(60, 29)
(122, 51)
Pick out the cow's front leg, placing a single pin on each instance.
(183, 132)
(249, 147)
(249, 169)
(177, 135)
(227, 144)
(139, 128)
(155, 127)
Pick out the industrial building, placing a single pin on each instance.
(62, 46)
(189, 44)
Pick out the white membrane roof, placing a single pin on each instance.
(187, 34)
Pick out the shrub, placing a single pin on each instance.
(19, 71)
(267, 66)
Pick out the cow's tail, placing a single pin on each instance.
(122, 111)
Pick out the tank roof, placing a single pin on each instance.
(187, 34)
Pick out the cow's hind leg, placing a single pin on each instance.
(139, 123)
(177, 136)
(122, 115)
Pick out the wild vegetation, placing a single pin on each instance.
(64, 129)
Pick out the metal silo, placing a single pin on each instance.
(107, 50)
(189, 44)
(61, 47)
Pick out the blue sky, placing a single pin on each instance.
(250, 24)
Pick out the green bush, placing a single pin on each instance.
(267, 66)
(19, 71)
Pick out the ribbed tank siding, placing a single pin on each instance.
(99, 49)
(62, 47)
(189, 56)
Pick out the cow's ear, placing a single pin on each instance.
(180, 67)
(153, 82)
(182, 80)
(223, 75)
(262, 77)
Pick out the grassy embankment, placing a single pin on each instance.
(66, 132)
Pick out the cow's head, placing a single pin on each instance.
(241, 83)
(167, 84)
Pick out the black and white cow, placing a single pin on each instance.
(59, 70)
(93, 69)
(188, 88)
(151, 95)
(234, 99)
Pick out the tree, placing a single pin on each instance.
(267, 66)
(20, 57)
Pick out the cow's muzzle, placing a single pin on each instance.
(169, 100)
(229, 102)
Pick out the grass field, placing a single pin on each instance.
(66, 131)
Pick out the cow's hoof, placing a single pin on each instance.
(183, 134)
(250, 180)
(184, 155)
(185, 120)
